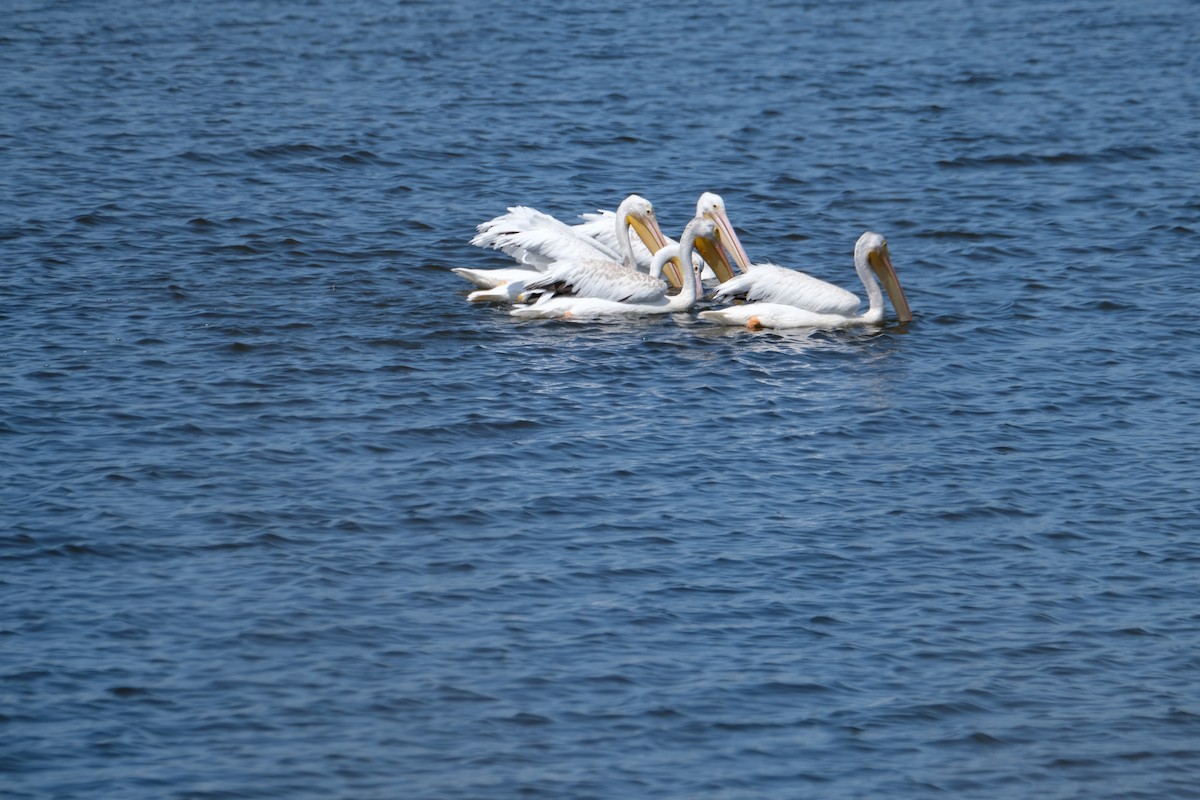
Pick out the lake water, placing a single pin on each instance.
(285, 516)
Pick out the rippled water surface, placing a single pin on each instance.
(284, 516)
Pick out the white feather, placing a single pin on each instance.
(537, 240)
(769, 283)
(599, 279)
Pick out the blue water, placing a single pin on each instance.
(284, 516)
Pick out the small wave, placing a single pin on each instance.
(459, 695)
(983, 512)
(1107, 155)
(201, 158)
(786, 687)
(788, 180)
(524, 718)
(970, 236)
(96, 218)
(234, 249)
(359, 158)
(276, 151)
(263, 540)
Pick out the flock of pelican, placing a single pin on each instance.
(598, 269)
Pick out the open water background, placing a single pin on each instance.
(283, 516)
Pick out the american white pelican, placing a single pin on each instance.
(642, 294)
(600, 226)
(537, 240)
(770, 283)
(871, 259)
(711, 206)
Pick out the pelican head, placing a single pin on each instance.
(871, 250)
(705, 237)
(701, 235)
(712, 207)
(636, 212)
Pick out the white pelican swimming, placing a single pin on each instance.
(537, 240)
(640, 293)
(589, 272)
(770, 283)
(600, 227)
(871, 259)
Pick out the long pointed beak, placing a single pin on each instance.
(713, 253)
(881, 262)
(729, 239)
(673, 273)
(648, 231)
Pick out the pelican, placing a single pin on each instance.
(537, 240)
(710, 205)
(591, 274)
(871, 259)
(643, 294)
(770, 283)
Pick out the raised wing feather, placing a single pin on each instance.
(538, 240)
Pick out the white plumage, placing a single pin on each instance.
(537, 240)
(770, 283)
(600, 279)
(626, 292)
(873, 264)
(710, 206)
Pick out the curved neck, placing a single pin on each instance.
(686, 297)
(862, 265)
(623, 241)
(659, 262)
